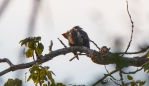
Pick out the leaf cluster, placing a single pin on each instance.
(135, 83)
(15, 82)
(33, 45)
(40, 75)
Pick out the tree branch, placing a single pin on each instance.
(6, 60)
(62, 42)
(133, 72)
(141, 51)
(121, 77)
(50, 46)
(102, 79)
(95, 44)
(112, 78)
(131, 30)
(95, 56)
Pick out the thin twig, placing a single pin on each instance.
(75, 57)
(6, 60)
(131, 30)
(95, 44)
(115, 82)
(50, 46)
(121, 77)
(72, 58)
(102, 79)
(62, 43)
(112, 78)
(133, 72)
(141, 51)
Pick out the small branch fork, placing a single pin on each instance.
(7, 61)
(113, 79)
(105, 75)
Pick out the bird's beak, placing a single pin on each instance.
(64, 35)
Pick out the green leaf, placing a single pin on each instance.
(29, 53)
(140, 82)
(146, 66)
(49, 74)
(133, 84)
(23, 42)
(147, 54)
(35, 78)
(50, 77)
(129, 77)
(37, 38)
(44, 84)
(39, 49)
(33, 68)
(40, 46)
(60, 84)
(20, 41)
(11, 82)
(32, 45)
(29, 78)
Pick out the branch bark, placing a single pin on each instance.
(96, 57)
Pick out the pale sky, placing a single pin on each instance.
(103, 20)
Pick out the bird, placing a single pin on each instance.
(77, 37)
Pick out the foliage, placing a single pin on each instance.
(40, 74)
(33, 45)
(135, 83)
(11, 82)
(146, 67)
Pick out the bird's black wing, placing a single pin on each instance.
(85, 37)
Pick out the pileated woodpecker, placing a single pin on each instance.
(77, 37)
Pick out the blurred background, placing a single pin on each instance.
(106, 22)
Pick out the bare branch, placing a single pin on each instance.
(133, 72)
(108, 72)
(102, 79)
(95, 44)
(141, 51)
(6, 60)
(72, 58)
(62, 42)
(131, 30)
(95, 56)
(115, 82)
(50, 47)
(112, 78)
(75, 57)
(121, 77)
